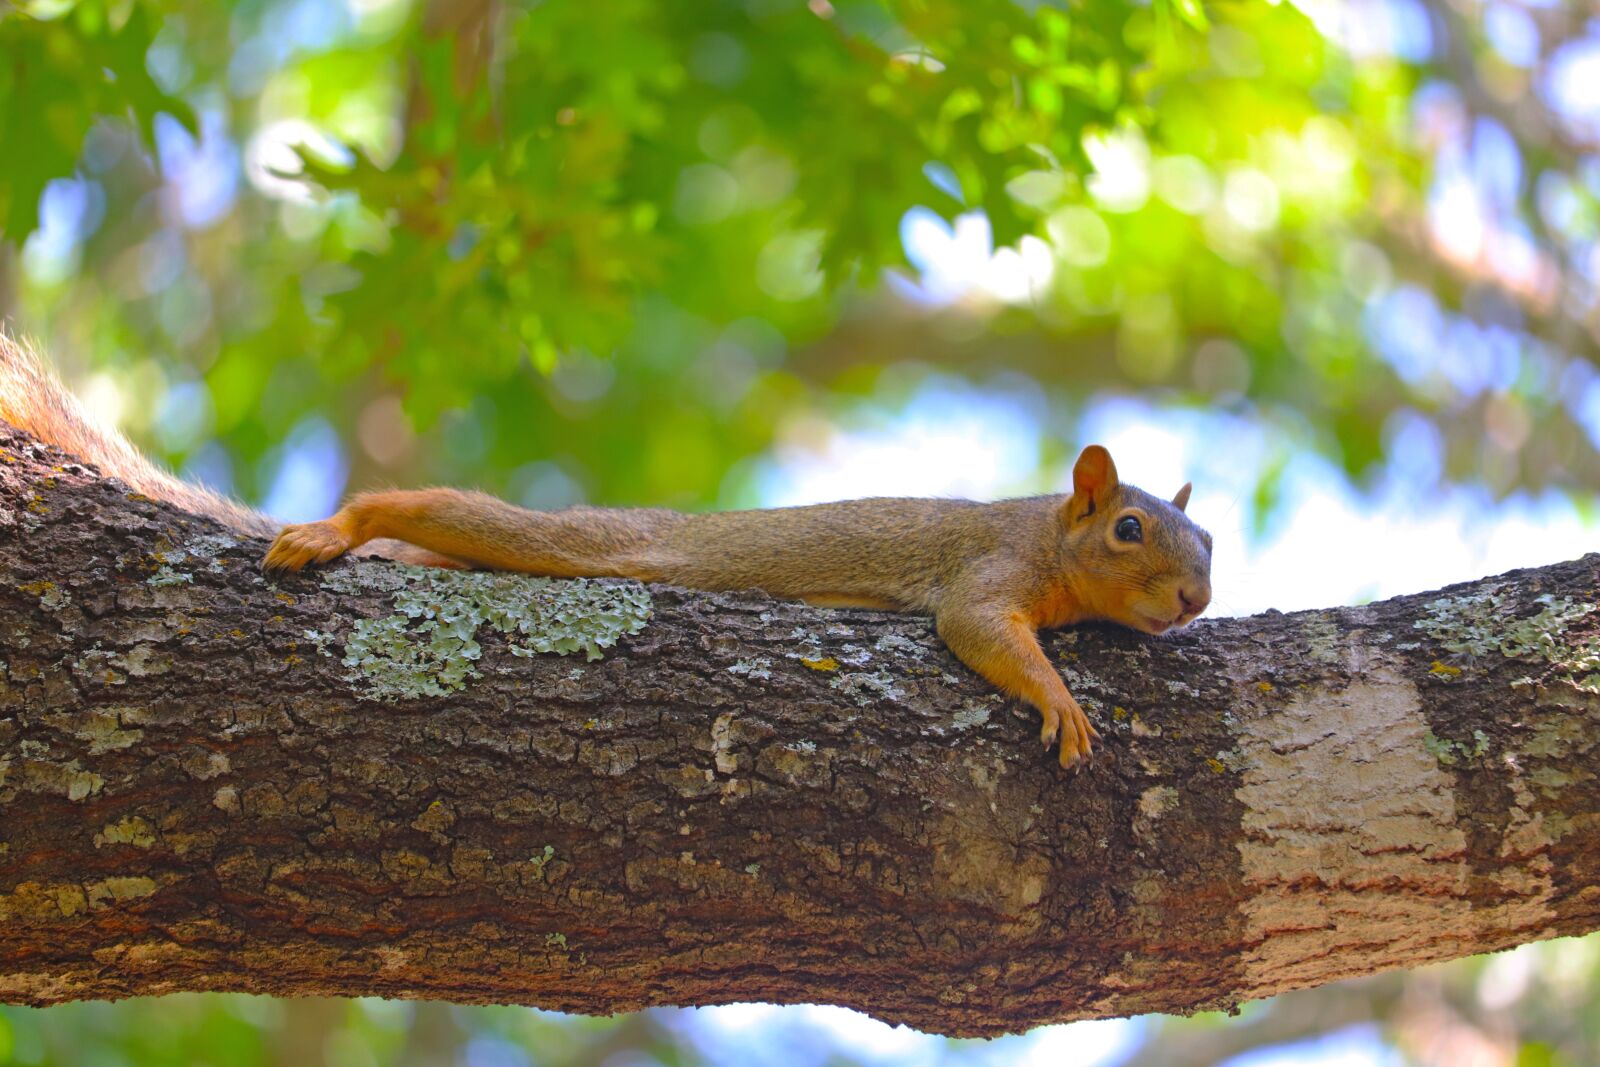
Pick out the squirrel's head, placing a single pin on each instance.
(1151, 565)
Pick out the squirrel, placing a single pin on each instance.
(990, 574)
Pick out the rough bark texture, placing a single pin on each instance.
(371, 780)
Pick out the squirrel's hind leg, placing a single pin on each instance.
(405, 552)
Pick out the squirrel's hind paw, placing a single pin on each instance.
(311, 542)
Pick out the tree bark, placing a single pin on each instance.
(371, 779)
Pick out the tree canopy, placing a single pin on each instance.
(633, 247)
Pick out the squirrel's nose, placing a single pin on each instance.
(1195, 597)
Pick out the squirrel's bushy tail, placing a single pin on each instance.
(32, 399)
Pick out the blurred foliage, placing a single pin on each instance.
(620, 258)
(1530, 1007)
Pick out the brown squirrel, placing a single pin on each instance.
(990, 574)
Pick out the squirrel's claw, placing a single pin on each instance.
(298, 545)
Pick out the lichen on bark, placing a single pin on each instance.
(428, 645)
(1477, 623)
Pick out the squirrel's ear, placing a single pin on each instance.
(1181, 501)
(1094, 479)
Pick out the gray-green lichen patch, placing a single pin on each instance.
(82, 784)
(389, 579)
(1324, 643)
(1157, 801)
(117, 890)
(164, 576)
(1477, 624)
(208, 547)
(866, 688)
(1557, 737)
(100, 666)
(51, 596)
(757, 668)
(202, 549)
(132, 830)
(539, 859)
(853, 655)
(31, 900)
(969, 716)
(35, 773)
(1551, 780)
(320, 641)
(892, 642)
(1449, 753)
(1232, 759)
(102, 728)
(429, 646)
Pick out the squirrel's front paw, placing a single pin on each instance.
(311, 542)
(1076, 732)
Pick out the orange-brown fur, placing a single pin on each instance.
(990, 574)
(32, 399)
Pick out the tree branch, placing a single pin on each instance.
(209, 780)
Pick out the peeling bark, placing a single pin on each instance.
(211, 780)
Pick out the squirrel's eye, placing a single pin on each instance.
(1128, 529)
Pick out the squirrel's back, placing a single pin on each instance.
(889, 551)
(33, 400)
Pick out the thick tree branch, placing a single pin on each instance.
(209, 780)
